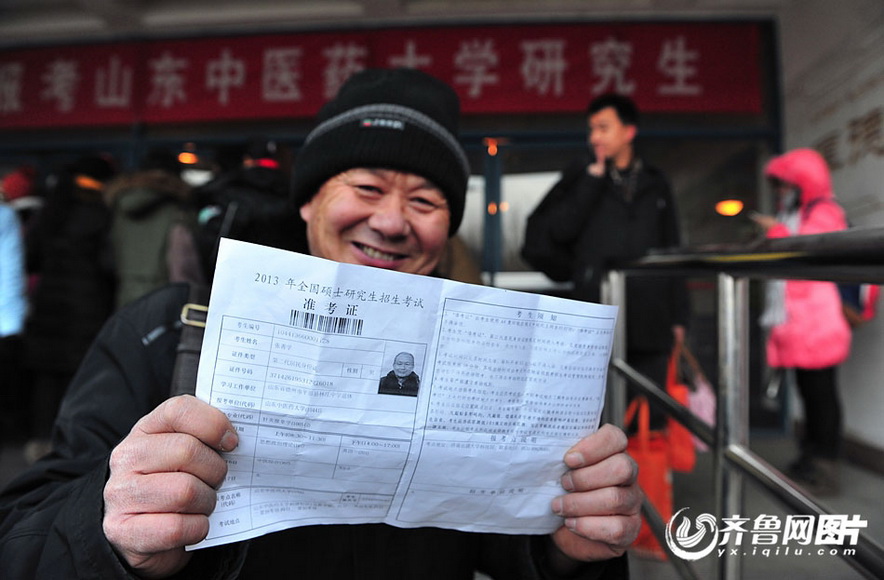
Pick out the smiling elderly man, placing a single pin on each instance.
(402, 380)
(380, 182)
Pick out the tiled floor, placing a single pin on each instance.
(862, 494)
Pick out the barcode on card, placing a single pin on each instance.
(329, 324)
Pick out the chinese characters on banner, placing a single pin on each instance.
(687, 67)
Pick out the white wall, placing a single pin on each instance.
(833, 82)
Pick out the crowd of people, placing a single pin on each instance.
(89, 238)
(123, 476)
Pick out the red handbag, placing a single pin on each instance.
(650, 450)
(682, 454)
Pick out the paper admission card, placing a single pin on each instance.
(364, 395)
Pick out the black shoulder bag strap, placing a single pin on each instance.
(193, 320)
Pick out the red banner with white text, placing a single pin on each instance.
(665, 67)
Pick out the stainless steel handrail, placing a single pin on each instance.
(855, 255)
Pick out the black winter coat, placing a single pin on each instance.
(69, 248)
(389, 385)
(593, 217)
(51, 516)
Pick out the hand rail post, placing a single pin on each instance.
(733, 408)
(614, 292)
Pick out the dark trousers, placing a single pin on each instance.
(822, 412)
(15, 392)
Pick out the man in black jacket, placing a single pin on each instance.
(402, 380)
(612, 206)
(381, 181)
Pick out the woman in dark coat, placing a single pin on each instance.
(68, 248)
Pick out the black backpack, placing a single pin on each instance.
(539, 249)
(249, 204)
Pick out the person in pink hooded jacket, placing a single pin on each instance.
(807, 328)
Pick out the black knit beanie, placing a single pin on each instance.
(399, 119)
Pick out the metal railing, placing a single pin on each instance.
(855, 255)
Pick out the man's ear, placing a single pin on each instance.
(633, 131)
(306, 211)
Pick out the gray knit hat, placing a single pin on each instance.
(400, 119)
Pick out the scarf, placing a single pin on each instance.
(775, 290)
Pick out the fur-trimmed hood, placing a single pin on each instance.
(138, 193)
